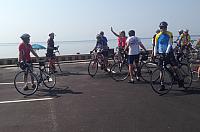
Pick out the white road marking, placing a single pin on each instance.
(12, 83)
(28, 100)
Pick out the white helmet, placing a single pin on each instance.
(24, 36)
(185, 30)
(180, 30)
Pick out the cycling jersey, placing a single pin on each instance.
(101, 45)
(50, 48)
(185, 39)
(121, 41)
(134, 43)
(104, 39)
(25, 48)
(163, 42)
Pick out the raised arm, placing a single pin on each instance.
(114, 32)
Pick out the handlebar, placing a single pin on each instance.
(56, 49)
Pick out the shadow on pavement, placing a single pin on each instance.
(182, 92)
(66, 73)
(56, 92)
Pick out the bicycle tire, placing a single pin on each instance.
(156, 85)
(93, 67)
(146, 70)
(194, 70)
(117, 57)
(187, 75)
(48, 79)
(57, 65)
(119, 71)
(195, 77)
(20, 84)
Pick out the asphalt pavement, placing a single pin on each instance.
(80, 103)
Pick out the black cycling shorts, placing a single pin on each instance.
(168, 58)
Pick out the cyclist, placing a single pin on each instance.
(104, 39)
(102, 46)
(153, 41)
(198, 44)
(121, 38)
(184, 40)
(134, 44)
(50, 54)
(177, 49)
(163, 47)
(24, 56)
(180, 32)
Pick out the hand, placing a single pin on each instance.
(55, 48)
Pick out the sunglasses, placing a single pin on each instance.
(163, 27)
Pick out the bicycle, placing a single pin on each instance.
(55, 61)
(165, 77)
(119, 55)
(96, 61)
(34, 79)
(186, 53)
(120, 69)
(195, 71)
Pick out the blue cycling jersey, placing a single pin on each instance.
(163, 42)
(102, 44)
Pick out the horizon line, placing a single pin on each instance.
(83, 40)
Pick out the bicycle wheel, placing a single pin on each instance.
(187, 75)
(49, 79)
(57, 65)
(156, 83)
(194, 70)
(117, 57)
(195, 76)
(28, 87)
(119, 71)
(93, 67)
(146, 70)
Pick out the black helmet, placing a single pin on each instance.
(163, 24)
(24, 36)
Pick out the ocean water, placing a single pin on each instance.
(10, 50)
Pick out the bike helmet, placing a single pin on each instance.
(185, 30)
(180, 31)
(24, 36)
(22, 65)
(163, 24)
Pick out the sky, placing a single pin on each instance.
(75, 20)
